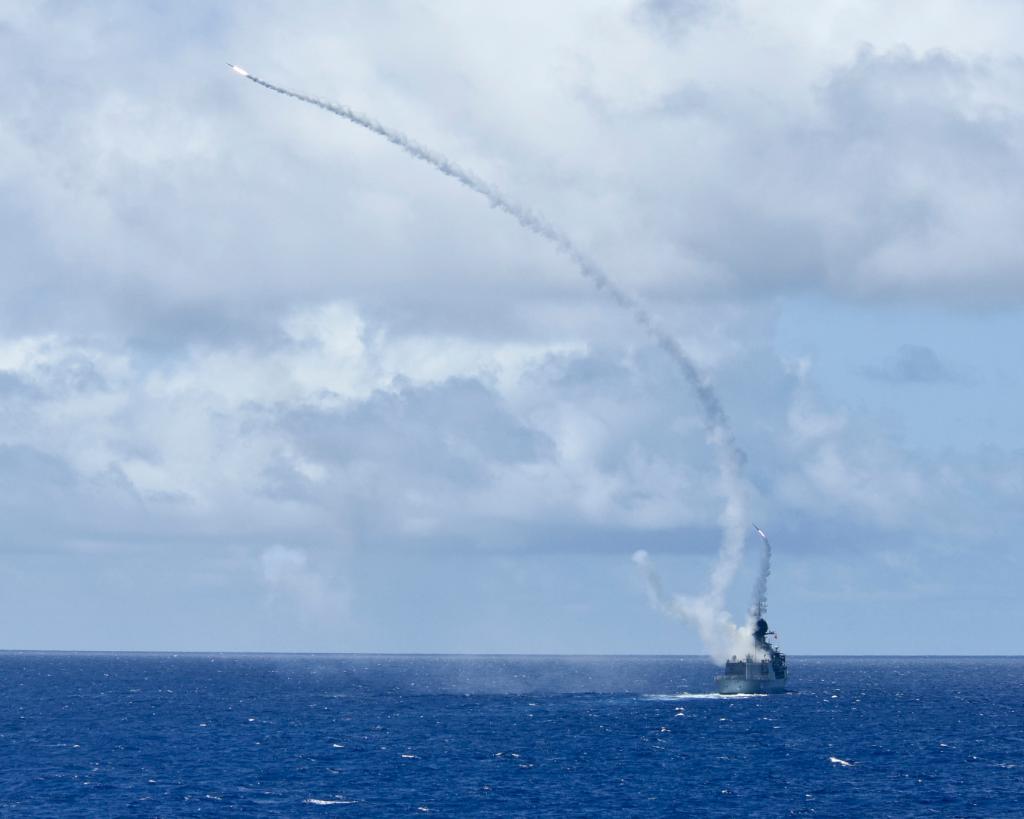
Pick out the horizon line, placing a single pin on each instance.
(242, 653)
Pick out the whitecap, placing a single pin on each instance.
(842, 762)
(702, 696)
(312, 801)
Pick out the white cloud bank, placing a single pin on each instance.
(229, 322)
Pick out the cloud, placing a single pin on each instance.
(339, 429)
(170, 203)
(912, 364)
(336, 422)
(287, 573)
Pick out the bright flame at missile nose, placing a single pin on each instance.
(238, 70)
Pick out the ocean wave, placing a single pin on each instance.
(312, 801)
(699, 696)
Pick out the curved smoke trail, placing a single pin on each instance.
(706, 611)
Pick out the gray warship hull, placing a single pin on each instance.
(741, 685)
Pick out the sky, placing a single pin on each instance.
(269, 384)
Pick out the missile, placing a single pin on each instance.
(759, 531)
(238, 70)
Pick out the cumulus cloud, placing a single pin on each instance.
(338, 420)
(333, 430)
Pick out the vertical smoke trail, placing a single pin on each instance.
(759, 605)
(709, 607)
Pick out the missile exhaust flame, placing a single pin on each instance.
(708, 610)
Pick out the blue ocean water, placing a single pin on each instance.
(166, 735)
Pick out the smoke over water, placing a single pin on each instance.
(707, 612)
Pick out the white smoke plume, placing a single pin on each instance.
(721, 636)
(707, 611)
(759, 605)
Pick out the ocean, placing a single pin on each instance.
(325, 735)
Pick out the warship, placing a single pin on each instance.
(761, 672)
